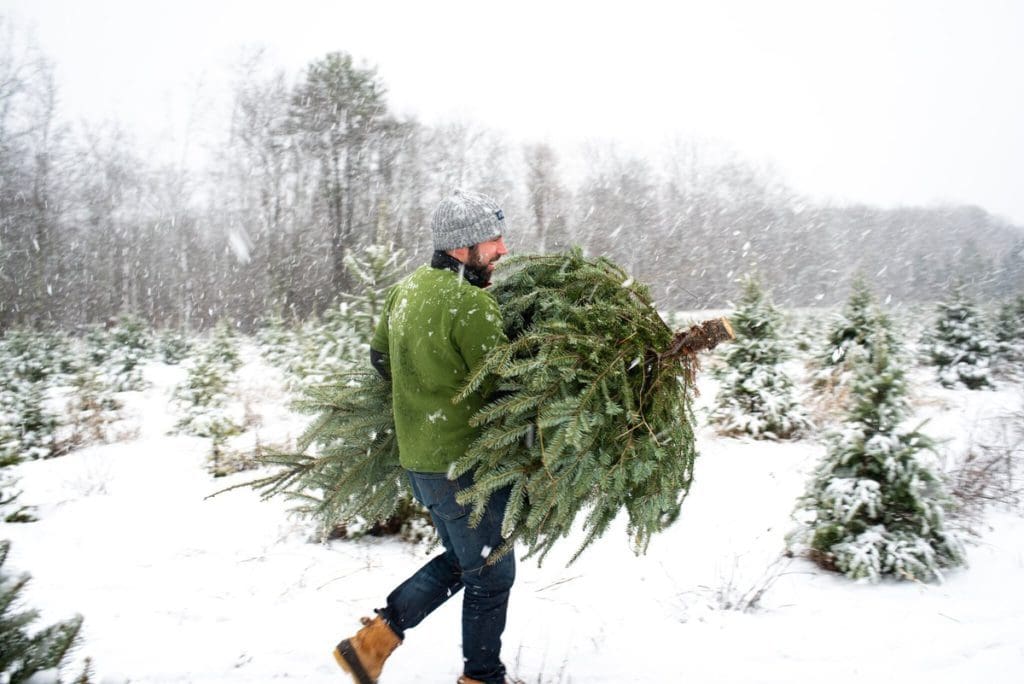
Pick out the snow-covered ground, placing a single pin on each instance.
(178, 587)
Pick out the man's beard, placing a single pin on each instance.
(478, 265)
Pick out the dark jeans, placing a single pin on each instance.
(461, 565)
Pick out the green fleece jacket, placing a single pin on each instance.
(435, 328)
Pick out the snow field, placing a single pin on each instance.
(178, 587)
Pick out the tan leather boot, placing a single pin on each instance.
(363, 655)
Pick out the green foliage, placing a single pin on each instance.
(375, 269)
(204, 398)
(26, 651)
(275, 340)
(30, 356)
(10, 454)
(855, 326)
(347, 494)
(345, 467)
(173, 347)
(91, 409)
(131, 332)
(28, 427)
(959, 346)
(330, 347)
(875, 505)
(223, 348)
(1009, 336)
(591, 419)
(756, 396)
(120, 351)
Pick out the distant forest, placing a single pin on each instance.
(314, 167)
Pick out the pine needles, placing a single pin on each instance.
(346, 462)
(592, 422)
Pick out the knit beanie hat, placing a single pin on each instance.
(466, 218)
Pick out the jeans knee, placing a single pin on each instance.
(496, 577)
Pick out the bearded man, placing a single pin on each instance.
(436, 326)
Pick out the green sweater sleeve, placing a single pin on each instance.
(478, 328)
(380, 334)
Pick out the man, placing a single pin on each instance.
(437, 324)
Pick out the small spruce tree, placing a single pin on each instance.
(755, 397)
(10, 455)
(375, 269)
(173, 346)
(129, 346)
(91, 409)
(859, 318)
(1009, 336)
(875, 506)
(204, 402)
(959, 345)
(275, 340)
(26, 653)
(223, 347)
(34, 425)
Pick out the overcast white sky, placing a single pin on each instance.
(883, 102)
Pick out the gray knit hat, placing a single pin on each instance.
(466, 218)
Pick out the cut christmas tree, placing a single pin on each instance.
(594, 415)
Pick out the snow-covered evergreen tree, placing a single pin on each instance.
(325, 348)
(756, 397)
(275, 340)
(959, 346)
(375, 269)
(340, 340)
(205, 402)
(223, 347)
(121, 350)
(27, 418)
(860, 318)
(91, 409)
(1009, 336)
(173, 346)
(27, 426)
(28, 654)
(876, 504)
(10, 454)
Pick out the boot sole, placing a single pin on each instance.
(347, 659)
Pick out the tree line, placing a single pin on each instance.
(312, 167)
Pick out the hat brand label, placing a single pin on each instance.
(500, 214)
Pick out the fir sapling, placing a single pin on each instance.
(223, 347)
(129, 346)
(959, 346)
(275, 340)
(205, 401)
(345, 474)
(1009, 337)
(173, 346)
(756, 397)
(92, 408)
(29, 654)
(877, 503)
(852, 330)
